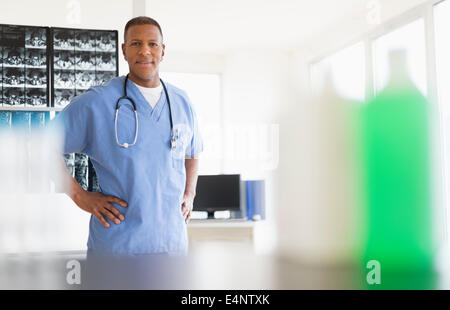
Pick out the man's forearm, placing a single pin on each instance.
(191, 176)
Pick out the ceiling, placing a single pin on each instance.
(218, 26)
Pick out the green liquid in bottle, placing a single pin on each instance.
(396, 148)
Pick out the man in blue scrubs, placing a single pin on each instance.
(147, 189)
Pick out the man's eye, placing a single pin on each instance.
(135, 43)
(154, 44)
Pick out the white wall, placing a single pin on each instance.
(175, 61)
(66, 13)
(355, 26)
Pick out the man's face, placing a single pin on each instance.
(143, 50)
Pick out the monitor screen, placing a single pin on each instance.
(217, 193)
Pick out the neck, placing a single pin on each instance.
(152, 82)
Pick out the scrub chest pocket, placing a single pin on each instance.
(182, 136)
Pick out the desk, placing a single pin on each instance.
(220, 230)
(219, 265)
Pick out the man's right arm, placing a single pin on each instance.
(75, 123)
(97, 204)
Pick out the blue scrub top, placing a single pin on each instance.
(149, 176)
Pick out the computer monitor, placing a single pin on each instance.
(218, 193)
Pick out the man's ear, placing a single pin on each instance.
(163, 50)
(123, 51)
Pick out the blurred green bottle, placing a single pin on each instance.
(396, 150)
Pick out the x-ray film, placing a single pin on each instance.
(81, 170)
(82, 59)
(24, 69)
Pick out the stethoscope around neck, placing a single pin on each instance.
(173, 141)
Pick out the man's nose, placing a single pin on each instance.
(144, 50)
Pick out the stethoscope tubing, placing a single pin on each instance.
(125, 97)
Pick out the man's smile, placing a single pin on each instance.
(144, 63)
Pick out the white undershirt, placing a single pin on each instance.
(152, 95)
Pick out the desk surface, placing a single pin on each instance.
(212, 266)
(221, 223)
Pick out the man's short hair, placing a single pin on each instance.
(141, 20)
